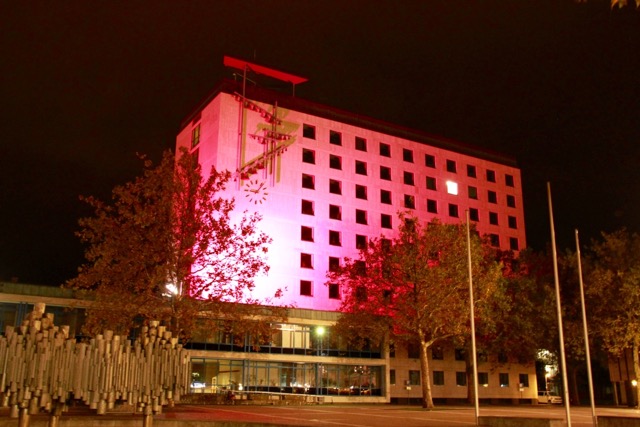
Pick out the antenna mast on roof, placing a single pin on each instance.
(245, 66)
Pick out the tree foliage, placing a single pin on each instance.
(167, 247)
(415, 287)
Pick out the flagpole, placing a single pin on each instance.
(473, 325)
(586, 333)
(565, 384)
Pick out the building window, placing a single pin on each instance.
(508, 180)
(437, 353)
(504, 379)
(360, 269)
(334, 238)
(361, 241)
(335, 212)
(494, 240)
(195, 136)
(385, 197)
(306, 260)
(473, 214)
(511, 201)
(386, 221)
(413, 350)
(392, 376)
(473, 193)
(460, 354)
(453, 210)
(361, 144)
(513, 222)
(483, 379)
(491, 175)
(409, 201)
(429, 161)
(361, 167)
(493, 218)
(407, 155)
(308, 156)
(308, 181)
(361, 217)
(335, 138)
(414, 378)
(335, 162)
(502, 358)
(492, 197)
(305, 287)
(432, 206)
(361, 192)
(335, 187)
(385, 150)
(452, 188)
(385, 173)
(334, 263)
(471, 171)
(461, 379)
(513, 244)
(408, 178)
(307, 207)
(431, 183)
(523, 380)
(334, 291)
(306, 234)
(451, 166)
(308, 131)
(482, 356)
(438, 377)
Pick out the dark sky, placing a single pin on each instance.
(84, 85)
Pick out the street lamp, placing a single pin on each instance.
(320, 330)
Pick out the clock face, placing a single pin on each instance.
(255, 191)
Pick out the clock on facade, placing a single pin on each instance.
(255, 191)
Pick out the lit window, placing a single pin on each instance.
(335, 138)
(305, 287)
(385, 150)
(334, 291)
(361, 144)
(306, 260)
(429, 161)
(308, 181)
(361, 216)
(453, 210)
(385, 197)
(307, 207)
(335, 162)
(432, 206)
(385, 173)
(491, 175)
(431, 183)
(308, 131)
(386, 221)
(471, 171)
(334, 238)
(195, 136)
(451, 166)
(361, 192)
(452, 188)
(407, 155)
(361, 167)
(335, 212)
(306, 234)
(335, 187)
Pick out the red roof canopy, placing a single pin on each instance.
(280, 75)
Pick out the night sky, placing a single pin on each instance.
(85, 85)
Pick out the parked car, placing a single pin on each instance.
(547, 397)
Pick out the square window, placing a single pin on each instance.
(335, 212)
(471, 171)
(513, 222)
(452, 187)
(429, 161)
(308, 156)
(334, 291)
(361, 192)
(195, 136)
(361, 241)
(335, 162)
(360, 269)
(335, 187)
(409, 201)
(385, 197)
(432, 206)
(361, 216)
(407, 155)
(385, 173)
(483, 378)
(305, 287)
(491, 175)
(460, 354)
(473, 193)
(513, 244)
(385, 150)
(307, 207)
(361, 144)
(386, 221)
(308, 181)
(413, 351)
(431, 183)
(451, 166)
(438, 377)
(492, 196)
(508, 180)
(502, 358)
(335, 138)
(524, 380)
(414, 378)
(473, 214)
(308, 131)
(511, 201)
(437, 353)
(361, 167)
(493, 218)
(504, 379)
(461, 379)
(408, 178)
(334, 263)
(453, 210)
(494, 240)
(334, 238)
(306, 260)
(306, 234)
